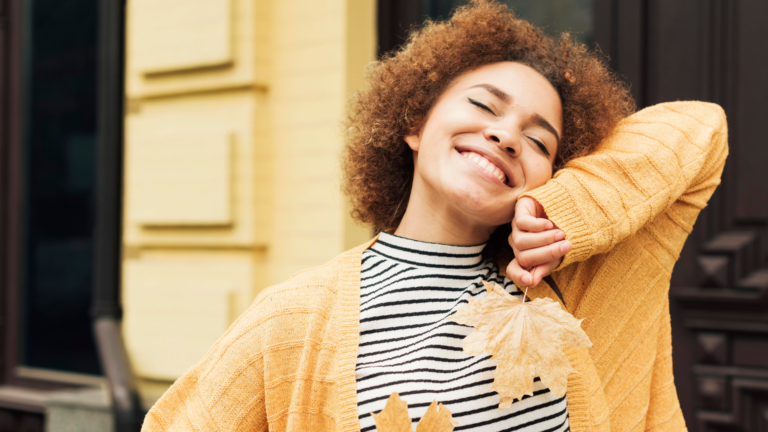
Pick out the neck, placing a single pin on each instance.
(437, 222)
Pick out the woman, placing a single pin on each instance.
(458, 134)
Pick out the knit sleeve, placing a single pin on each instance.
(224, 392)
(668, 155)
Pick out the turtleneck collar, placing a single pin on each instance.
(432, 255)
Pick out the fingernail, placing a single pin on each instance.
(565, 247)
(526, 280)
(549, 226)
(559, 236)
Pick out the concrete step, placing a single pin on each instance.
(82, 410)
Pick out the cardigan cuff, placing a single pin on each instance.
(562, 210)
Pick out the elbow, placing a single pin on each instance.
(720, 136)
(713, 115)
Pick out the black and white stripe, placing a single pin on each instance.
(408, 289)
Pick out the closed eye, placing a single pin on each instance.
(481, 105)
(541, 145)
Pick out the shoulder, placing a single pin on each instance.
(283, 319)
(310, 291)
(282, 310)
(308, 287)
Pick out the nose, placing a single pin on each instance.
(506, 141)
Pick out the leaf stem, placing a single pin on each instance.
(525, 293)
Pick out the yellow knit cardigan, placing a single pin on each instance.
(288, 363)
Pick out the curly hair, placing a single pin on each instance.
(377, 164)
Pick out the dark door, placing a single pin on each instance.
(710, 50)
(59, 143)
(47, 143)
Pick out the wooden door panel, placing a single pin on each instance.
(712, 50)
(750, 160)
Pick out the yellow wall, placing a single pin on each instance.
(231, 164)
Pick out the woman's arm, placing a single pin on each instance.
(666, 158)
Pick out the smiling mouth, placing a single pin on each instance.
(485, 164)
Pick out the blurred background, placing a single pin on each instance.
(162, 161)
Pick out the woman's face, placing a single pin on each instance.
(492, 135)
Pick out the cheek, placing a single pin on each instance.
(435, 157)
(428, 160)
(445, 123)
(539, 173)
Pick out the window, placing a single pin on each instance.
(554, 16)
(60, 50)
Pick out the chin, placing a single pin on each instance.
(484, 206)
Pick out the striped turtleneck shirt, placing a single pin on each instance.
(408, 290)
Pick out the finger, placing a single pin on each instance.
(517, 274)
(532, 224)
(526, 206)
(522, 241)
(530, 206)
(541, 271)
(542, 255)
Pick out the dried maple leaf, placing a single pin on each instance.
(437, 419)
(525, 338)
(394, 417)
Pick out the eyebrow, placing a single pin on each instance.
(504, 97)
(539, 120)
(496, 92)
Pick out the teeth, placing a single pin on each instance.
(487, 165)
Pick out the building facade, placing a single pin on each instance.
(232, 142)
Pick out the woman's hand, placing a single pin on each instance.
(538, 245)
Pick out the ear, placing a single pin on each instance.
(413, 141)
